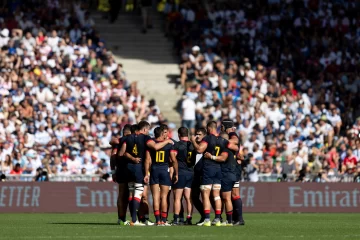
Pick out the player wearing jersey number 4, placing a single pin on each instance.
(157, 163)
(211, 176)
(134, 150)
(118, 168)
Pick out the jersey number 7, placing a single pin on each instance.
(217, 150)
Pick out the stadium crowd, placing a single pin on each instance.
(285, 71)
(63, 95)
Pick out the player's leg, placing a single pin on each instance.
(187, 196)
(237, 204)
(227, 184)
(217, 199)
(168, 200)
(189, 206)
(138, 191)
(216, 187)
(195, 197)
(121, 202)
(156, 201)
(226, 197)
(144, 207)
(205, 194)
(181, 214)
(178, 193)
(164, 191)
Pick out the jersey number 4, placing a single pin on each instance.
(135, 150)
(160, 156)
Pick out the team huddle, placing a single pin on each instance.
(205, 166)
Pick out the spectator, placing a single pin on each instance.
(17, 169)
(188, 113)
(289, 81)
(63, 94)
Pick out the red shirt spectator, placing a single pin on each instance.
(350, 161)
(17, 169)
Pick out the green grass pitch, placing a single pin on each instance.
(102, 226)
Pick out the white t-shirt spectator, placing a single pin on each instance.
(42, 138)
(188, 107)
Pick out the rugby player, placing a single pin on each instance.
(197, 162)
(228, 126)
(157, 163)
(134, 149)
(181, 154)
(118, 170)
(228, 170)
(211, 175)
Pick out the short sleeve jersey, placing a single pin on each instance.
(215, 146)
(136, 146)
(160, 157)
(184, 150)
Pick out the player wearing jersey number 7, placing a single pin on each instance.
(211, 175)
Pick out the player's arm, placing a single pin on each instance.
(157, 146)
(200, 147)
(131, 158)
(122, 150)
(221, 158)
(175, 165)
(113, 158)
(147, 166)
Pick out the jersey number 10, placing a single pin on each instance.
(160, 156)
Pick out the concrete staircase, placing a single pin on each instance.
(147, 58)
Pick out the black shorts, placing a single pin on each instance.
(160, 175)
(211, 176)
(121, 174)
(184, 181)
(227, 182)
(135, 173)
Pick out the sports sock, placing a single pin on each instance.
(146, 217)
(181, 214)
(122, 218)
(237, 203)
(164, 217)
(207, 214)
(176, 217)
(218, 213)
(157, 216)
(229, 216)
(134, 208)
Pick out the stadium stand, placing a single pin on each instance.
(63, 95)
(285, 71)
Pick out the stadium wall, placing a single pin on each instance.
(45, 197)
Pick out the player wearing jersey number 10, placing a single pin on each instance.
(157, 163)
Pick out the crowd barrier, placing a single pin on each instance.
(74, 197)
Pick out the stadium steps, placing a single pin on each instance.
(147, 58)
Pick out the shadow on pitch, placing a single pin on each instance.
(84, 223)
